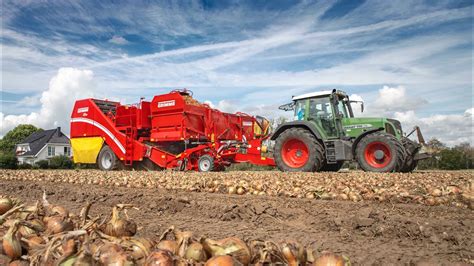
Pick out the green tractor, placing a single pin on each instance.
(325, 134)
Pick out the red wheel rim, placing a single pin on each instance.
(377, 154)
(295, 153)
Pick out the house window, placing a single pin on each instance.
(51, 151)
(67, 151)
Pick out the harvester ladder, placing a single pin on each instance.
(129, 137)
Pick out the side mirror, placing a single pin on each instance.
(361, 105)
(287, 107)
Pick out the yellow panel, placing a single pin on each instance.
(85, 150)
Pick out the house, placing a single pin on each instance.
(43, 145)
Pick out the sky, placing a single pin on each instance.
(409, 60)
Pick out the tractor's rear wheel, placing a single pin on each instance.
(107, 160)
(380, 152)
(332, 167)
(297, 150)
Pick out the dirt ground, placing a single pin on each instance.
(368, 232)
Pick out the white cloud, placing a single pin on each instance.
(30, 101)
(223, 105)
(118, 40)
(449, 129)
(68, 85)
(392, 99)
(469, 113)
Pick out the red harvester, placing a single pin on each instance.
(172, 131)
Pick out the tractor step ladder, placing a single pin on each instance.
(129, 137)
(330, 152)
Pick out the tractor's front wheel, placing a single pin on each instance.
(297, 150)
(380, 152)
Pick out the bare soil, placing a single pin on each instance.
(369, 232)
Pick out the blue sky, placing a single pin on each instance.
(411, 60)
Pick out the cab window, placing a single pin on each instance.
(300, 109)
(320, 108)
(320, 111)
(341, 106)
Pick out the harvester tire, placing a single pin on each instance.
(205, 163)
(332, 167)
(380, 152)
(107, 160)
(298, 150)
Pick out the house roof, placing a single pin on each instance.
(39, 139)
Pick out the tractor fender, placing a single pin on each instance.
(356, 141)
(301, 124)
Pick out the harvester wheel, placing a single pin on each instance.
(380, 152)
(297, 150)
(107, 160)
(206, 163)
(332, 167)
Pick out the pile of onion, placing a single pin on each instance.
(48, 234)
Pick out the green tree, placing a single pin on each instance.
(451, 159)
(8, 160)
(15, 136)
(434, 146)
(60, 162)
(42, 164)
(467, 154)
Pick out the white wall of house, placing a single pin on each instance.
(48, 151)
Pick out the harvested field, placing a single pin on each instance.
(382, 219)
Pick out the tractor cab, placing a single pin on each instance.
(328, 110)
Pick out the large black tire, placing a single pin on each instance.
(411, 149)
(312, 156)
(332, 167)
(380, 152)
(107, 160)
(409, 165)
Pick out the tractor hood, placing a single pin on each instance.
(353, 127)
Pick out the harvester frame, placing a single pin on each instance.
(166, 133)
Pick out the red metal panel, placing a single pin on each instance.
(126, 116)
(143, 115)
(168, 117)
(88, 120)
